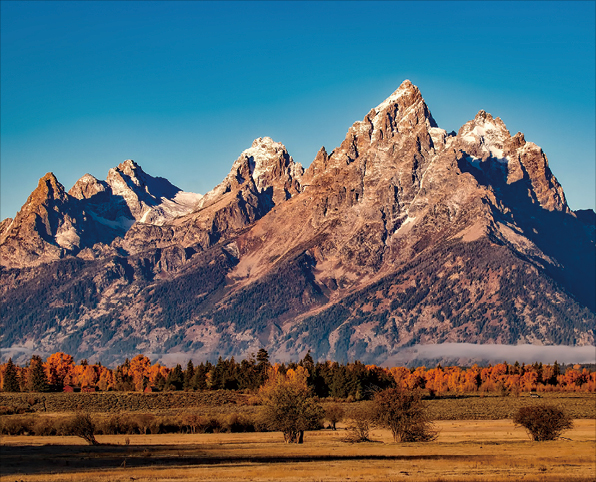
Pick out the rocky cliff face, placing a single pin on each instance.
(53, 224)
(48, 226)
(403, 234)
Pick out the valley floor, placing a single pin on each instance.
(466, 450)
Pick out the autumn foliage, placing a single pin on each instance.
(353, 381)
(288, 404)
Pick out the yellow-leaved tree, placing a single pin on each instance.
(288, 404)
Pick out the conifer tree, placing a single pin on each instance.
(11, 380)
(188, 376)
(199, 379)
(175, 378)
(160, 381)
(37, 380)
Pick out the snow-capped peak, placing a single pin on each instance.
(491, 133)
(260, 155)
(267, 163)
(406, 87)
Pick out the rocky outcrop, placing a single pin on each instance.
(48, 226)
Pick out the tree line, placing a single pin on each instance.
(350, 381)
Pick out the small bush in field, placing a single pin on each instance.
(81, 425)
(7, 410)
(545, 422)
(359, 423)
(43, 426)
(147, 423)
(237, 423)
(403, 412)
(16, 425)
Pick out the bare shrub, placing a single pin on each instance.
(403, 412)
(209, 425)
(108, 425)
(191, 421)
(359, 423)
(81, 425)
(146, 423)
(43, 426)
(545, 422)
(7, 409)
(14, 425)
(236, 423)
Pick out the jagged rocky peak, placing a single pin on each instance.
(87, 187)
(128, 176)
(487, 145)
(269, 161)
(398, 127)
(128, 168)
(266, 165)
(406, 95)
(48, 224)
(38, 211)
(403, 110)
(48, 188)
(487, 136)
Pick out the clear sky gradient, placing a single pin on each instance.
(183, 88)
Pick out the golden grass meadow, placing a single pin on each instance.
(465, 450)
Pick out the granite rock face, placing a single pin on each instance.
(403, 234)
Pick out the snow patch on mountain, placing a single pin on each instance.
(121, 223)
(67, 237)
(183, 203)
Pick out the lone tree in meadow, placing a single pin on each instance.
(403, 412)
(289, 406)
(359, 422)
(545, 422)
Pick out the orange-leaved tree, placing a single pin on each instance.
(59, 369)
(140, 369)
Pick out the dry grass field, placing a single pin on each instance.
(466, 450)
(472, 406)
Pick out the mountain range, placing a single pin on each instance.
(403, 235)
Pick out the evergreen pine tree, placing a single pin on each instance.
(37, 380)
(11, 380)
(160, 381)
(262, 366)
(199, 379)
(175, 379)
(188, 376)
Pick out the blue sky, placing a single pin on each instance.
(183, 88)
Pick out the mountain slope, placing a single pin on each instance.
(403, 234)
